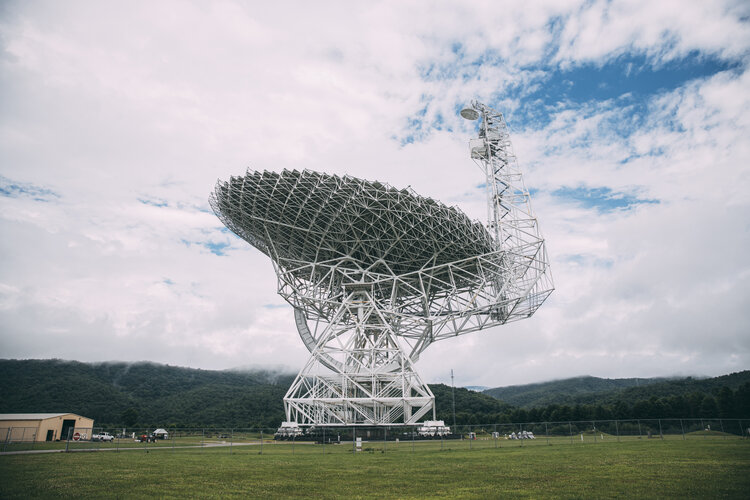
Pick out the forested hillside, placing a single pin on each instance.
(567, 391)
(683, 387)
(727, 396)
(148, 394)
(471, 407)
(151, 395)
(601, 391)
(143, 393)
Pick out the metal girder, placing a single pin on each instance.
(381, 273)
(358, 373)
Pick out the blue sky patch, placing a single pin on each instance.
(603, 199)
(11, 189)
(635, 75)
(631, 80)
(215, 247)
(418, 126)
(156, 202)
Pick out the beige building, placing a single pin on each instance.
(27, 427)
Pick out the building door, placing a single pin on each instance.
(50, 435)
(67, 424)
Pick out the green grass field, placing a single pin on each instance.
(672, 468)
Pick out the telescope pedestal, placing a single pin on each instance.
(358, 374)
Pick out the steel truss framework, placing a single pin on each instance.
(376, 274)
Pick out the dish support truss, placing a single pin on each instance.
(368, 327)
(359, 373)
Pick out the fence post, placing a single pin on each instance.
(661, 435)
(324, 440)
(469, 437)
(203, 438)
(7, 438)
(385, 439)
(67, 442)
(354, 439)
(639, 429)
(546, 432)
(261, 441)
(570, 426)
(231, 440)
(703, 428)
(413, 431)
(294, 440)
(742, 433)
(593, 424)
(682, 428)
(617, 431)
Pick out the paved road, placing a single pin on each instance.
(133, 448)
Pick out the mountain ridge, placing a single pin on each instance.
(149, 394)
(594, 390)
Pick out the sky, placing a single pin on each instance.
(630, 121)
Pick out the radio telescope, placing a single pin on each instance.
(376, 274)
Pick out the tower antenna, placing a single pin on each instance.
(453, 393)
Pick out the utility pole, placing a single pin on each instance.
(453, 394)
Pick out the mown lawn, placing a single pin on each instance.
(636, 469)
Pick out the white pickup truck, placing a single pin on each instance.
(103, 436)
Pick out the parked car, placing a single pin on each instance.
(103, 436)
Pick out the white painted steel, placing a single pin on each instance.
(377, 274)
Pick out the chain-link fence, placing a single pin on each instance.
(372, 439)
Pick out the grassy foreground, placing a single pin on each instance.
(639, 469)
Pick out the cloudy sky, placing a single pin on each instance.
(630, 120)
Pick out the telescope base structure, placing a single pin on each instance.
(358, 374)
(382, 273)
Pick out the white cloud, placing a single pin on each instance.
(664, 30)
(130, 116)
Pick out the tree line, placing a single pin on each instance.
(152, 395)
(470, 410)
